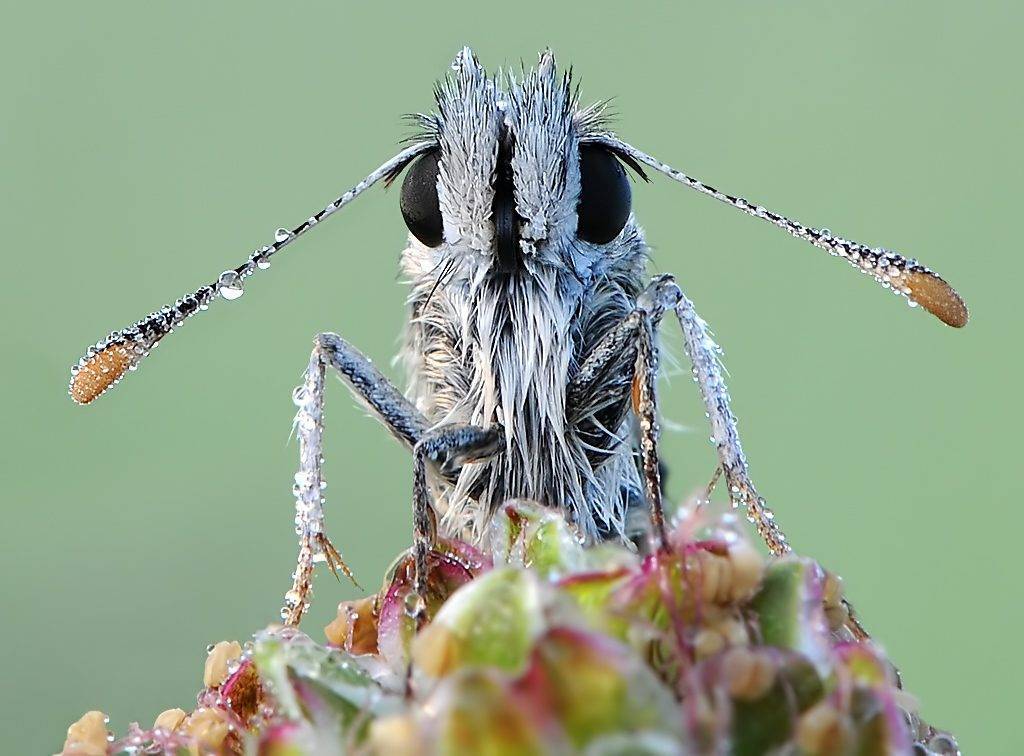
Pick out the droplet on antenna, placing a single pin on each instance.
(230, 285)
(104, 364)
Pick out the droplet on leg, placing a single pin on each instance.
(414, 604)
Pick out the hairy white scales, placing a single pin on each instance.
(481, 352)
(493, 346)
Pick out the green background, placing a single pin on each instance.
(147, 147)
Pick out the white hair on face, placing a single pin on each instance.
(483, 346)
(546, 162)
(466, 128)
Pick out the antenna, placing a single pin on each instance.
(905, 277)
(105, 363)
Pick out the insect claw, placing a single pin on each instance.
(334, 560)
(854, 625)
(710, 487)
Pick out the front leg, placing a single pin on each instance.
(372, 388)
(385, 402)
(705, 354)
(625, 362)
(447, 448)
(623, 366)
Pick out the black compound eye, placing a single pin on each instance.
(419, 204)
(605, 196)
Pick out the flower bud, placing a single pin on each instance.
(748, 674)
(87, 736)
(169, 720)
(222, 654)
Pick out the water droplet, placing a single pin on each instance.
(262, 262)
(230, 285)
(943, 743)
(282, 235)
(414, 604)
(292, 597)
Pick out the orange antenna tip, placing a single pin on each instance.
(938, 297)
(99, 371)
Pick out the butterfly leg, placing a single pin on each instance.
(383, 399)
(620, 371)
(705, 354)
(446, 448)
(599, 384)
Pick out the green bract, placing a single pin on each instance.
(537, 645)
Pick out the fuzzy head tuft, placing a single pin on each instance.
(508, 150)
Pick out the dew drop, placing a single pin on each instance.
(282, 235)
(230, 284)
(262, 262)
(414, 604)
(943, 743)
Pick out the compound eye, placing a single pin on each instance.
(605, 196)
(418, 202)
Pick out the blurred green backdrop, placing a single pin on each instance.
(145, 148)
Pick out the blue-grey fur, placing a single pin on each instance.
(482, 348)
(490, 349)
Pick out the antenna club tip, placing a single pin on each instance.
(99, 371)
(938, 298)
